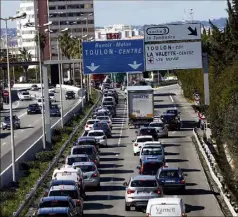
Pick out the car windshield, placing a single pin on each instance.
(151, 167)
(70, 193)
(167, 117)
(88, 151)
(6, 118)
(96, 134)
(72, 160)
(100, 125)
(108, 99)
(33, 105)
(156, 125)
(87, 168)
(54, 106)
(53, 214)
(54, 203)
(107, 103)
(62, 182)
(86, 142)
(39, 100)
(103, 118)
(92, 122)
(169, 174)
(25, 93)
(51, 94)
(151, 151)
(144, 183)
(69, 93)
(144, 139)
(150, 131)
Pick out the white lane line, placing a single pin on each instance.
(4, 143)
(122, 125)
(22, 115)
(22, 130)
(29, 125)
(171, 98)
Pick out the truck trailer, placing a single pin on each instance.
(140, 101)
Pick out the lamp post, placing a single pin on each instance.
(41, 81)
(19, 16)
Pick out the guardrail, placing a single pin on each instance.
(52, 164)
(218, 179)
(28, 154)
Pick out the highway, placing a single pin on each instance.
(31, 127)
(118, 163)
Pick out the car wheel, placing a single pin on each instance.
(134, 154)
(19, 126)
(28, 113)
(98, 186)
(127, 208)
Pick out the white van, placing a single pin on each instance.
(165, 206)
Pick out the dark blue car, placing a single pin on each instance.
(102, 125)
(150, 166)
(56, 211)
(33, 109)
(171, 178)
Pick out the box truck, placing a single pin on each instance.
(140, 101)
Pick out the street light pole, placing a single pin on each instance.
(10, 95)
(11, 113)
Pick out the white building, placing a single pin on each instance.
(125, 31)
(26, 35)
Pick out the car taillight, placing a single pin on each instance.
(183, 214)
(95, 161)
(182, 181)
(129, 191)
(141, 169)
(135, 144)
(95, 175)
(86, 125)
(78, 202)
(157, 191)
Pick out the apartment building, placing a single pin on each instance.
(76, 15)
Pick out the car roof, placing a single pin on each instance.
(84, 146)
(50, 198)
(145, 136)
(169, 200)
(157, 122)
(83, 138)
(153, 146)
(90, 163)
(63, 187)
(77, 155)
(53, 210)
(33, 104)
(170, 168)
(147, 177)
(90, 131)
(153, 143)
(92, 120)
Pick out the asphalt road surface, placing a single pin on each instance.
(31, 128)
(118, 163)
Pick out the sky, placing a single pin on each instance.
(141, 12)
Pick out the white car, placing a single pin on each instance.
(34, 87)
(161, 129)
(109, 99)
(99, 135)
(52, 90)
(24, 95)
(89, 124)
(105, 118)
(139, 142)
(39, 102)
(52, 97)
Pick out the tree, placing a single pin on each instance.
(25, 56)
(43, 41)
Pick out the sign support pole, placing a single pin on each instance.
(206, 79)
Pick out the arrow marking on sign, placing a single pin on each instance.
(192, 31)
(92, 67)
(135, 65)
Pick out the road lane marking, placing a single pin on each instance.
(29, 125)
(4, 143)
(122, 125)
(171, 98)
(22, 115)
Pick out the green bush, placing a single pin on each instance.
(44, 156)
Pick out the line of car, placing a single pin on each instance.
(67, 190)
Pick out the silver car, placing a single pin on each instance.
(99, 135)
(91, 174)
(150, 152)
(73, 158)
(139, 190)
(161, 129)
(90, 123)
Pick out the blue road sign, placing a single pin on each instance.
(113, 56)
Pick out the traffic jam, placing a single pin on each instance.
(144, 192)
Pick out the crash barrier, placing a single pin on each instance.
(216, 176)
(6, 175)
(54, 161)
